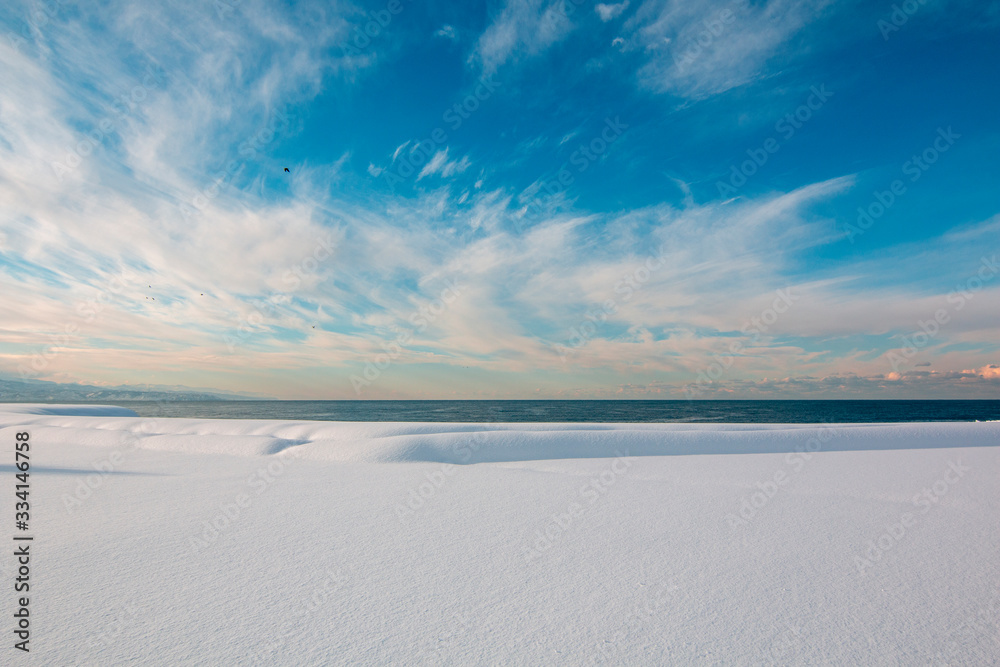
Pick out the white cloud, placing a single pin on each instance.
(523, 28)
(456, 166)
(399, 149)
(435, 165)
(700, 49)
(111, 234)
(989, 372)
(439, 164)
(610, 12)
(448, 32)
(568, 136)
(200, 94)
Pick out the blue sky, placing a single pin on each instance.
(648, 199)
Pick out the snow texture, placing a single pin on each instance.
(192, 541)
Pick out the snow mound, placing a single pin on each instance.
(274, 536)
(465, 443)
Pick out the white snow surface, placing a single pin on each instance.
(73, 410)
(196, 541)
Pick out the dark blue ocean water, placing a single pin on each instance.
(579, 411)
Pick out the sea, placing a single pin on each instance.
(635, 411)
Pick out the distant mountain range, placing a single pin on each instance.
(12, 390)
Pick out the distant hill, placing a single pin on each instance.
(13, 391)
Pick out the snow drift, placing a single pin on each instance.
(459, 443)
(187, 542)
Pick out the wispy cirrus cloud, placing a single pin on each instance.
(447, 31)
(175, 233)
(695, 50)
(522, 29)
(439, 164)
(609, 12)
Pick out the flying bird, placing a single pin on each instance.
(286, 169)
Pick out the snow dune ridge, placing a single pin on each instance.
(466, 443)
